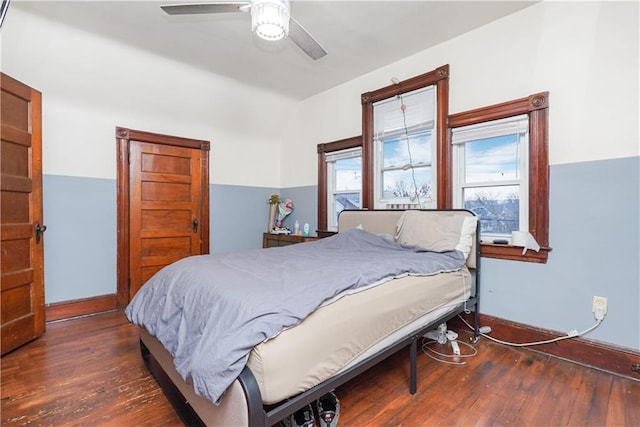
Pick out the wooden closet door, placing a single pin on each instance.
(21, 265)
(163, 204)
(165, 209)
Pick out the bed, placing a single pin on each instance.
(313, 353)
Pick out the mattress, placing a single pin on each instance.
(340, 334)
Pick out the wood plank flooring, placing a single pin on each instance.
(88, 372)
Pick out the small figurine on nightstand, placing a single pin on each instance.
(284, 209)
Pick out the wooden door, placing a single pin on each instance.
(168, 204)
(22, 265)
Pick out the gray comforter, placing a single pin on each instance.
(209, 311)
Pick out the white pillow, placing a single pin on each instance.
(436, 232)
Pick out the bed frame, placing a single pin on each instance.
(242, 403)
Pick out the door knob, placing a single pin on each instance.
(195, 225)
(39, 231)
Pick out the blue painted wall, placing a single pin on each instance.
(595, 235)
(305, 201)
(594, 232)
(80, 241)
(239, 215)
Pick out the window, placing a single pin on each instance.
(344, 183)
(420, 156)
(404, 151)
(339, 180)
(490, 174)
(404, 174)
(500, 171)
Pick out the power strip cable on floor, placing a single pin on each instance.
(571, 334)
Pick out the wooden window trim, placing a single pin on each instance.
(438, 77)
(536, 106)
(324, 149)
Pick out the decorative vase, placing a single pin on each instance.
(273, 209)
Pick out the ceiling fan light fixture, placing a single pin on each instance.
(270, 18)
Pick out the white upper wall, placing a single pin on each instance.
(91, 84)
(584, 53)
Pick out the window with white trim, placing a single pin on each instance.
(491, 174)
(405, 151)
(344, 183)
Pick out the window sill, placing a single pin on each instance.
(513, 253)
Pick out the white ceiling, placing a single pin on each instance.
(359, 36)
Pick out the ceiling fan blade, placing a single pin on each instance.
(297, 33)
(216, 7)
(305, 41)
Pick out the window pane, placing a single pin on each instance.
(396, 153)
(497, 207)
(348, 174)
(400, 183)
(492, 159)
(344, 201)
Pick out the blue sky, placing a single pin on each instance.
(349, 174)
(492, 159)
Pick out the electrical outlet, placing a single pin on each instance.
(599, 307)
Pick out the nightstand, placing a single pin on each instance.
(325, 233)
(273, 240)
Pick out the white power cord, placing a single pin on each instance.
(442, 336)
(571, 334)
(427, 349)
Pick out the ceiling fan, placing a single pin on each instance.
(270, 20)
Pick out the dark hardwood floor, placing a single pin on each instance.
(88, 372)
